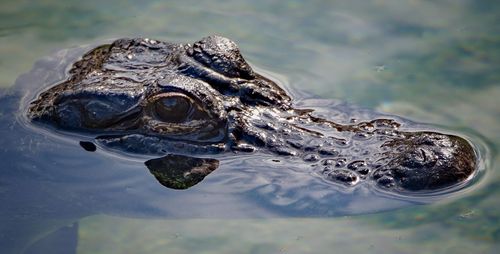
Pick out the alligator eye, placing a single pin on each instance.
(173, 108)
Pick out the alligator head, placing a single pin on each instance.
(152, 97)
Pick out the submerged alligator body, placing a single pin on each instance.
(152, 97)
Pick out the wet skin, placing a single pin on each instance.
(152, 97)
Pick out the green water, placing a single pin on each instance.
(431, 61)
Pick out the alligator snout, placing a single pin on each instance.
(426, 161)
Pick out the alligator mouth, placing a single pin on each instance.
(158, 145)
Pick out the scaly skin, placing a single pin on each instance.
(146, 96)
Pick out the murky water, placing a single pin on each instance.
(430, 61)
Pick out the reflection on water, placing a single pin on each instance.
(179, 171)
(434, 61)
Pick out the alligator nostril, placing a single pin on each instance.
(423, 155)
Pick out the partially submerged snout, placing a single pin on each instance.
(426, 161)
(377, 150)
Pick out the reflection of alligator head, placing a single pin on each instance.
(146, 96)
(179, 171)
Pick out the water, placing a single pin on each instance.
(434, 62)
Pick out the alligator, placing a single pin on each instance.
(180, 100)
